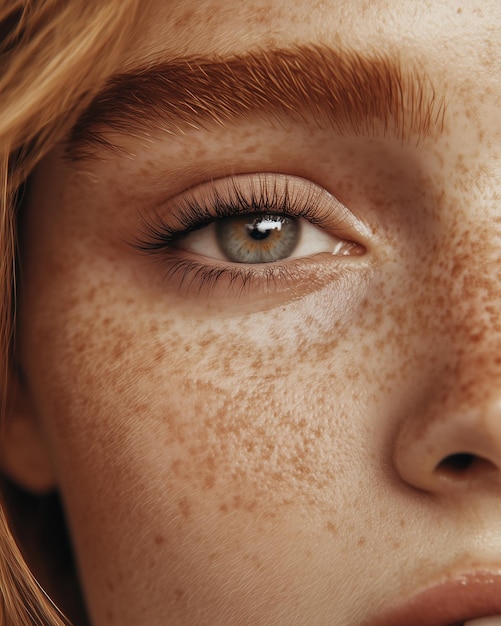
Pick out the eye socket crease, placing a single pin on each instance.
(343, 89)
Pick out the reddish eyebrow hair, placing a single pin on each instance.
(349, 91)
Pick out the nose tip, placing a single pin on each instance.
(450, 450)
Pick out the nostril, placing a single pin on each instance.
(463, 464)
(456, 463)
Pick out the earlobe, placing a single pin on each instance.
(24, 454)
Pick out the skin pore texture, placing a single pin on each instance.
(277, 451)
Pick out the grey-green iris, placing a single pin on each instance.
(257, 237)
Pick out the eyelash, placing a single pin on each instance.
(189, 213)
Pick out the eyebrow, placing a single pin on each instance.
(346, 90)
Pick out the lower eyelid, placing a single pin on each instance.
(261, 284)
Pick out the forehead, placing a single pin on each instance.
(453, 47)
(182, 27)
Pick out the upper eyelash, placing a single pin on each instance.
(191, 215)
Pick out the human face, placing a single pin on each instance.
(311, 440)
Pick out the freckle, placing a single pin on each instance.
(109, 616)
(361, 542)
(366, 351)
(91, 295)
(179, 594)
(251, 506)
(352, 374)
(159, 353)
(403, 523)
(207, 340)
(184, 507)
(331, 528)
(223, 508)
(237, 502)
(379, 344)
(201, 153)
(159, 540)
(257, 364)
(79, 348)
(209, 481)
(176, 466)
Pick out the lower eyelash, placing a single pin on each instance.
(227, 286)
(195, 277)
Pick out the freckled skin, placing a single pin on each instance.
(272, 459)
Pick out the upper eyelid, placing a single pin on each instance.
(273, 192)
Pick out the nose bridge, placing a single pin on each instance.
(472, 323)
(472, 366)
(472, 320)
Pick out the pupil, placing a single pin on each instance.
(259, 235)
(261, 228)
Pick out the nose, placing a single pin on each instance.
(454, 444)
(451, 438)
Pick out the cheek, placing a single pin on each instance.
(288, 398)
(184, 436)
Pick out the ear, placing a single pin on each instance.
(24, 454)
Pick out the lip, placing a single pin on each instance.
(448, 603)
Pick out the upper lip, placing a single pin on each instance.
(448, 603)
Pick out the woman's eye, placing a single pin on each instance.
(252, 233)
(261, 238)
